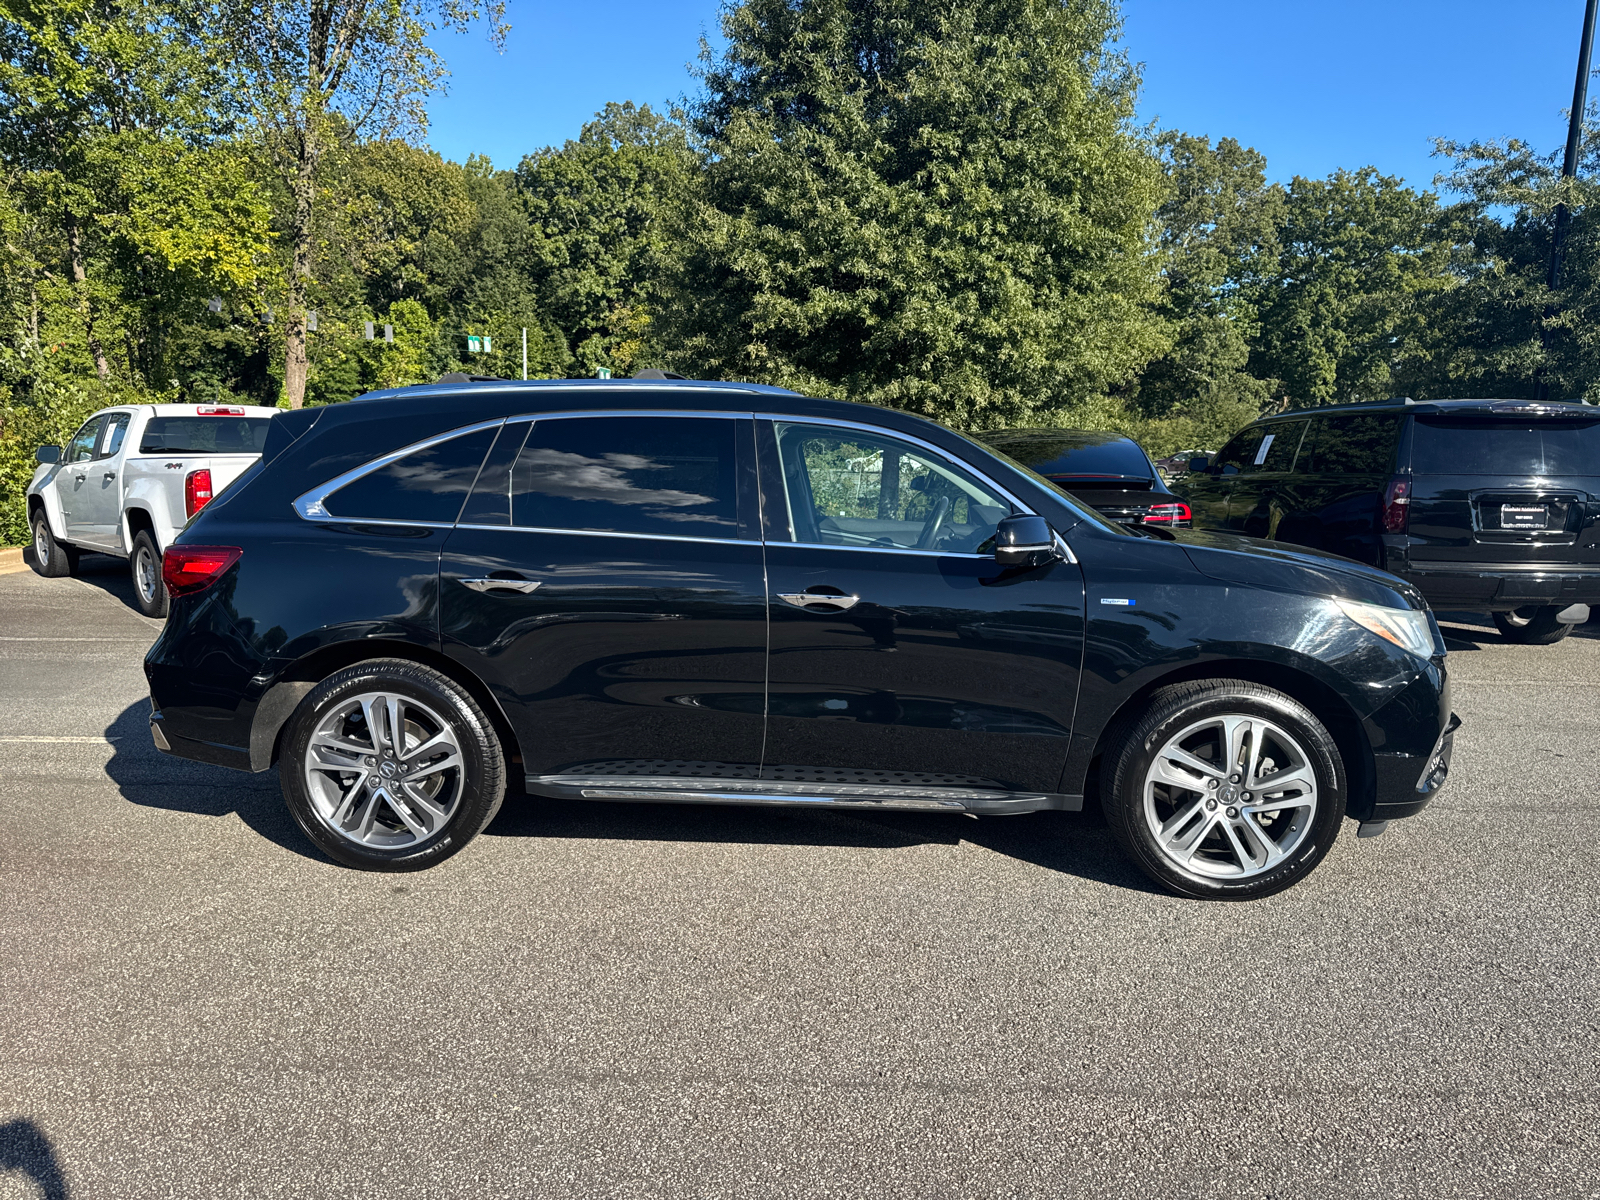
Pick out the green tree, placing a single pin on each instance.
(940, 205)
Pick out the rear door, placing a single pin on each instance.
(1334, 498)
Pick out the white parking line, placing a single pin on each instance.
(77, 741)
(69, 639)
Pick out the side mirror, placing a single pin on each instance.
(1024, 542)
(47, 455)
(1199, 463)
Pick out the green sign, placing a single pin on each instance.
(602, 372)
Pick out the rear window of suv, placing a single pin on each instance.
(204, 435)
(1484, 446)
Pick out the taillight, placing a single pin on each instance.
(1397, 505)
(196, 491)
(186, 569)
(1168, 514)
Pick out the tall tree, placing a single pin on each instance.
(314, 73)
(936, 204)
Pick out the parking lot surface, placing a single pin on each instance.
(627, 1001)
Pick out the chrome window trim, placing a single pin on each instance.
(567, 414)
(310, 505)
(610, 533)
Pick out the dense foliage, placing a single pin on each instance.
(942, 205)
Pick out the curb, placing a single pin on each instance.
(11, 561)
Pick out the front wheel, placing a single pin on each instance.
(391, 766)
(1532, 625)
(149, 590)
(1225, 789)
(51, 558)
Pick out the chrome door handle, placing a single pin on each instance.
(806, 599)
(511, 585)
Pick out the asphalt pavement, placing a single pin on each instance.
(637, 1001)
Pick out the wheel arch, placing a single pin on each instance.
(1325, 704)
(295, 682)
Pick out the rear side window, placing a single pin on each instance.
(205, 435)
(427, 485)
(675, 476)
(1277, 449)
(1240, 452)
(1463, 446)
(1356, 444)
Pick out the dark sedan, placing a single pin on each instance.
(1107, 471)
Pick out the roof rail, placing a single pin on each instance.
(462, 377)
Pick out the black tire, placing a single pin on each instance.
(1533, 625)
(479, 784)
(1185, 706)
(149, 591)
(51, 558)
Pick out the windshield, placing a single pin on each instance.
(1485, 446)
(205, 435)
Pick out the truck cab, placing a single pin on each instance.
(131, 478)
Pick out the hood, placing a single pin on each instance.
(1282, 567)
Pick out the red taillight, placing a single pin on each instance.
(186, 569)
(1168, 514)
(219, 412)
(1397, 505)
(196, 491)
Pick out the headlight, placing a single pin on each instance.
(1405, 627)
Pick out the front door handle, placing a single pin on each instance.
(111, 475)
(809, 599)
(511, 585)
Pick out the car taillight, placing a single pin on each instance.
(1168, 514)
(196, 491)
(186, 569)
(1397, 505)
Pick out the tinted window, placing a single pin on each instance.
(847, 488)
(1240, 452)
(426, 485)
(82, 444)
(1277, 448)
(1118, 457)
(490, 502)
(1456, 446)
(116, 430)
(661, 475)
(1353, 444)
(205, 435)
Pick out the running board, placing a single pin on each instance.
(678, 790)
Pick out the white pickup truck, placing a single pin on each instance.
(129, 481)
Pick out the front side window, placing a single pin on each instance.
(850, 488)
(1240, 452)
(1277, 449)
(665, 476)
(427, 486)
(1350, 444)
(82, 445)
(116, 430)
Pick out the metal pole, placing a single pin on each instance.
(525, 328)
(1569, 164)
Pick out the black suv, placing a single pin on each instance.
(1107, 471)
(727, 594)
(1485, 505)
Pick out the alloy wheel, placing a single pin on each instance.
(384, 771)
(1230, 797)
(148, 573)
(41, 542)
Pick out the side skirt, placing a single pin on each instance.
(670, 790)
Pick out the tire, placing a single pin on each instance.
(51, 558)
(357, 807)
(1208, 841)
(149, 591)
(1533, 625)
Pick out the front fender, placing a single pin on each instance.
(43, 489)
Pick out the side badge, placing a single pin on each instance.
(1122, 603)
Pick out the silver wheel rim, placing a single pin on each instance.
(41, 543)
(145, 573)
(384, 771)
(1230, 797)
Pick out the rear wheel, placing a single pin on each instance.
(391, 766)
(1533, 625)
(149, 591)
(51, 558)
(1225, 789)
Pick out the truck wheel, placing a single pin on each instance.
(51, 558)
(1533, 625)
(149, 592)
(390, 766)
(1224, 789)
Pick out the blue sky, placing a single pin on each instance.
(1343, 83)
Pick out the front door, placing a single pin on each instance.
(75, 481)
(901, 653)
(99, 501)
(606, 581)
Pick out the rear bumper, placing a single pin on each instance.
(1488, 588)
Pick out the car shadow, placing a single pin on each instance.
(26, 1151)
(1472, 631)
(106, 572)
(1072, 843)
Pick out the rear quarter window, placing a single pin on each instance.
(428, 485)
(1482, 446)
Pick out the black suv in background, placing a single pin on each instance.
(1107, 471)
(727, 594)
(1485, 505)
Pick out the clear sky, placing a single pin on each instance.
(1342, 83)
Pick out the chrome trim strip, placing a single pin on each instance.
(611, 533)
(684, 790)
(880, 550)
(310, 505)
(564, 414)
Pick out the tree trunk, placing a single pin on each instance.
(80, 284)
(294, 333)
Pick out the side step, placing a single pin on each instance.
(785, 793)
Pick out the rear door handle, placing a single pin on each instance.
(808, 599)
(511, 585)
